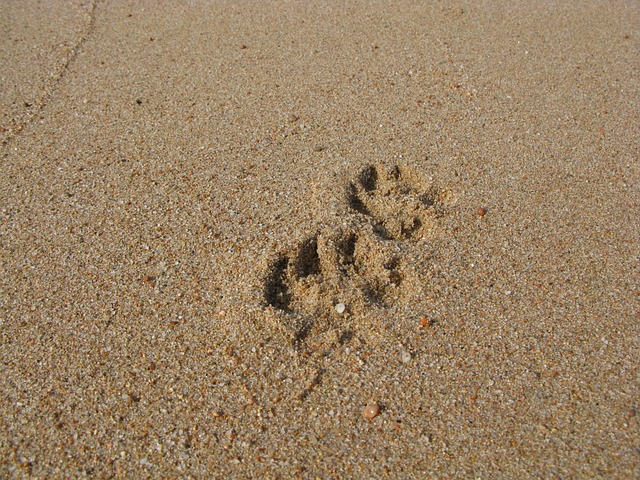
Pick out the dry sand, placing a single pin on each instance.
(187, 193)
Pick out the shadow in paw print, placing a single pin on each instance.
(384, 284)
(276, 291)
(308, 261)
(355, 202)
(398, 205)
(288, 269)
(369, 178)
(392, 267)
(346, 249)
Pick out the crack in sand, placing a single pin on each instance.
(61, 72)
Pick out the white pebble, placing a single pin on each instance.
(405, 356)
(340, 308)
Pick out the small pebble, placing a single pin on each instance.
(340, 308)
(319, 148)
(371, 410)
(293, 118)
(405, 357)
(482, 211)
(427, 322)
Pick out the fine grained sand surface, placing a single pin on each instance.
(188, 192)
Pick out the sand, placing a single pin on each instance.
(227, 227)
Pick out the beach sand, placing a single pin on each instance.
(228, 227)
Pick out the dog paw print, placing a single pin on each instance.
(345, 267)
(394, 202)
(346, 280)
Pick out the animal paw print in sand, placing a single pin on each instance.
(397, 209)
(361, 265)
(332, 267)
